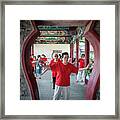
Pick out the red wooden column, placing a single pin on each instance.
(26, 51)
(32, 49)
(94, 82)
(87, 49)
(77, 49)
(71, 50)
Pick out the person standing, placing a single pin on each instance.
(38, 68)
(81, 73)
(88, 71)
(63, 70)
(54, 60)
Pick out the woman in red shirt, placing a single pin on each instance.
(54, 60)
(81, 73)
(63, 70)
(32, 62)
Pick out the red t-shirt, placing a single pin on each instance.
(53, 72)
(43, 59)
(31, 59)
(31, 62)
(81, 63)
(63, 73)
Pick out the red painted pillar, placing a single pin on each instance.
(77, 49)
(26, 51)
(87, 49)
(66, 40)
(71, 50)
(26, 64)
(94, 81)
(32, 49)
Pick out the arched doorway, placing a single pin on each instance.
(89, 35)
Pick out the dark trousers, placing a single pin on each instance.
(54, 79)
(86, 81)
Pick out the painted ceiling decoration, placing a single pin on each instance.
(58, 34)
(54, 33)
(52, 28)
(51, 38)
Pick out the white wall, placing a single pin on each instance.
(47, 49)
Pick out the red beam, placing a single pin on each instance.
(71, 50)
(32, 49)
(69, 23)
(77, 49)
(86, 52)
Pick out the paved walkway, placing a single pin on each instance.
(46, 91)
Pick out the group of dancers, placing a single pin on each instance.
(61, 70)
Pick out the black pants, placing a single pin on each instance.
(54, 79)
(86, 81)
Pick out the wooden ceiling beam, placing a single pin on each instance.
(68, 23)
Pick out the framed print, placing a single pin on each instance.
(59, 59)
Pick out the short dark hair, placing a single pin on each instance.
(65, 53)
(60, 56)
(83, 55)
(38, 56)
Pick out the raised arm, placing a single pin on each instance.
(84, 68)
